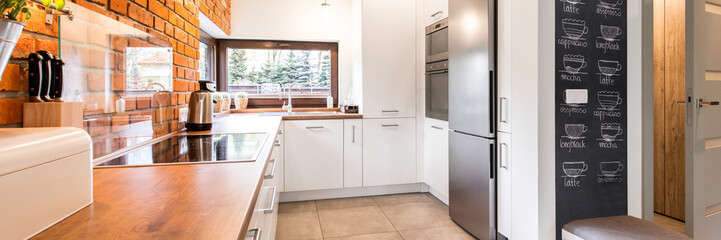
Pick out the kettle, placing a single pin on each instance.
(200, 108)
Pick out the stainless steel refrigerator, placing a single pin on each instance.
(471, 115)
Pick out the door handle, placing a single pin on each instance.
(272, 170)
(277, 143)
(389, 125)
(503, 111)
(436, 127)
(352, 133)
(701, 103)
(436, 14)
(389, 111)
(254, 233)
(318, 127)
(271, 209)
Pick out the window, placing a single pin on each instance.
(269, 70)
(206, 65)
(148, 67)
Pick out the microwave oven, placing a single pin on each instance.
(437, 41)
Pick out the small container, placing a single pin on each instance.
(120, 104)
(329, 101)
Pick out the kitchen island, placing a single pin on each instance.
(190, 201)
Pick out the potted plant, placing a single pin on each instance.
(218, 102)
(226, 102)
(241, 101)
(11, 28)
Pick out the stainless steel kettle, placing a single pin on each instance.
(200, 109)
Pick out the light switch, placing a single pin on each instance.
(576, 96)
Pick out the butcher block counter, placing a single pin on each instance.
(191, 201)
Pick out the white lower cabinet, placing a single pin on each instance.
(353, 153)
(278, 155)
(389, 151)
(264, 220)
(504, 184)
(313, 154)
(435, 170)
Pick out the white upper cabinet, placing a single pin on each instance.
(504, 66)
(313, 155)
(434, 11)
(389, 57)
(436, 156)
(389, 151)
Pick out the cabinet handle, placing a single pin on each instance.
(390, 111)
(254, 233)
(280, 131)
(271, 209)
(277, 143)
(316, 127)
(352, 134)
(504, 156)
(502, 110)
(437, 127)
(389, 125)
(272, 170)
(436, 14)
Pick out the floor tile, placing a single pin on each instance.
(402, 198)
(446, 233)
(375, 236)
(288, 207)
(353, 221)
(418, 215)
(344, 203)
(298, 226)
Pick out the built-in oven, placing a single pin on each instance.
(437, 41)
(437, 90)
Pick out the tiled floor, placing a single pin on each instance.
(392, 217)
(668, 222)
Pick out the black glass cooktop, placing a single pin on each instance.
(239, 147)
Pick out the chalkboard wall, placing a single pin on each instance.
(591, 174)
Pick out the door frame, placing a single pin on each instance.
(647, 98)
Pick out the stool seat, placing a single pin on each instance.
(618, 227)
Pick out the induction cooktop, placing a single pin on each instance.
(187, 149)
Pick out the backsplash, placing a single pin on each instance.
(144, 52)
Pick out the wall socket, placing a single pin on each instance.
(183, 115)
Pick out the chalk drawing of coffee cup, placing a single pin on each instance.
(574, 169)
(609, 131)
(576, 131)
(610, 169)
(609, 99)
(574, 28)
(610, 33)
(574, 63)
(610, 3)
(608, 67)
(574, 1)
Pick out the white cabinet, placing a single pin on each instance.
(434, 11)
(353, 153)
(313, 154)
(504, 66)
(435, 170)
(389, 56)
(504, 184)
(389, 151)
(263, 222)
(278, 154)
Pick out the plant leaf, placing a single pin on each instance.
(59, 4)
(46, 3)
(27, 13)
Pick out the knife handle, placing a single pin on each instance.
(34, 76)
(56, 91)
(47, 74)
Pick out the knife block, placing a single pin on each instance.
(53, 114)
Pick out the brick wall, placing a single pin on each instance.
(174, 22)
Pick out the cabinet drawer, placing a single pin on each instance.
(313, 155)
(389, 151)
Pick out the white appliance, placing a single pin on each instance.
(45, 176)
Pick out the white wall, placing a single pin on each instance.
(301, 21)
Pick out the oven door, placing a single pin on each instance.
(437, 95)
(437, 45)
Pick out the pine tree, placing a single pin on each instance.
(303, 69)
(324, 76)
(237, 69)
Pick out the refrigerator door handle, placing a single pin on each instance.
(493, 160)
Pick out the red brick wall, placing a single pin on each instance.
(173, 21)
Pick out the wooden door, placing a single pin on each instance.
(669, 114)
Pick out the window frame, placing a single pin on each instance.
(276, 101)
(212, 43)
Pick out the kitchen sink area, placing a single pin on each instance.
(315, 113)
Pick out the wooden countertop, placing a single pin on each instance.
(333, 113)
(194, 201)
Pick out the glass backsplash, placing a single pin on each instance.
(124, 78)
